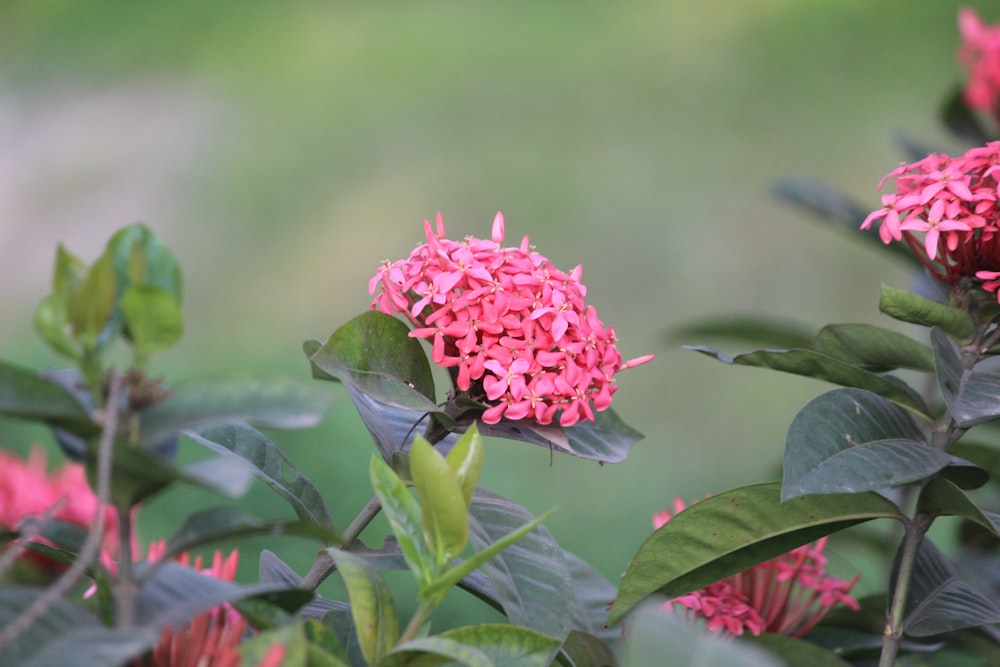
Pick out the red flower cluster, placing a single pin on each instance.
(980, 53)
(953, 203)
(515, 328)
(787, 595)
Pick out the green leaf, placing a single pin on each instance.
(913, 308)
(733, 531)
(484, 645)
(69, 274)
(851, 440)
(582, 649)
(26, 395)
(748, 329)
(873, 348)
(435, 651)
(374, 353)
(153, 317)
(437, 588)
(654, 634)
(797, 651)
(372, 608)
(942, 497)
(91, 307)
(592, 593)
(822, 367)
(531, 579)
(403, 514)
(939, 601)
(984, 456)
(443, 511)
(140, 258)
(52, 324)
(972, 396)
(466, 460)
(270, 465)
(135, 473)
(265, 402)
(225, 523)
(107, 647)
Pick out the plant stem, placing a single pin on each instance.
(417, 621)
(893, 634)
(126, 588)
(91, 545)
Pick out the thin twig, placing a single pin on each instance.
(324, 566)
(29, 533)
(92, 544)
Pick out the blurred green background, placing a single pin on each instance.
(283, 149)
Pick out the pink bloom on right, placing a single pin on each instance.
(787, 595)
(980, 54)
(945, 209)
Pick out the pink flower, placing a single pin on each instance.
(516, 330)
(980, 54)
(28, 489)
(212, 638)
(787, 595)
(952, 202)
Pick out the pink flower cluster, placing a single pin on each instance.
(514, 328)
(980, 53)
(787, 595)
(952, 202)
(28, 489)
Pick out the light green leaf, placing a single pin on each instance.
(52, 324)
(91, 307)
(466, 460)
(372, 608)
(733, 531)
(485, 645)
(444, 514)
(140, 258)
(429, 651)
(152, 316)
(913, 308)
(403, 513)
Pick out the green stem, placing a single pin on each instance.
(893, 634)
(126, 587)
(419, 619)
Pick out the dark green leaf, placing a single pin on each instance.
(943, 498)
(311, 347)
(655, 636)
(272, 570)
(374, 353)
(61, 618)
(984, 456)
(372, 607)
(797, 651)
(136, 474)
(270, 465)
(153, 317)
(107, 647)
(873, 348)
(265, 402)
(822, 367)
(939, 601)
(913, 308)
(592, 598)
(850, 440)
(748, 329)
(972, 396)
(531, 579)
(728, 533)
(26, 395)
(585, 650)
(224, 523)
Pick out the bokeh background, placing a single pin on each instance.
(283, 149)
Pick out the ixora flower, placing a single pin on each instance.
(515, 329)
(212, 638)
(952, 203)
(980, 53)
(787, 595)
(28, 489)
